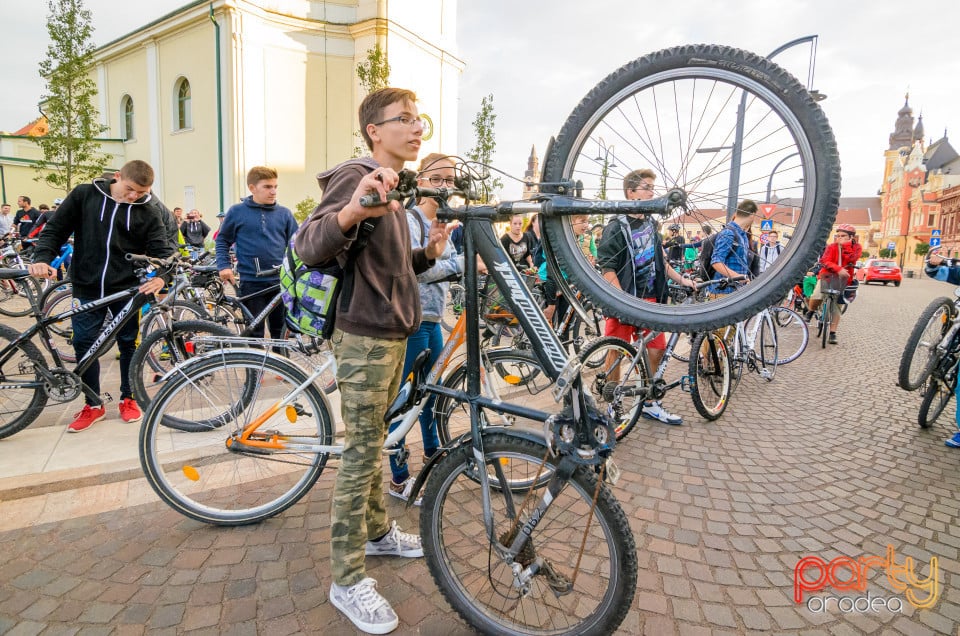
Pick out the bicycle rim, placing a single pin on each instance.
(198, 474)
(676, 112)
(767, 347)
(710, 372)
(792, 334)
(161, 351)
(479, 585)
(14, 299)
(61, 332)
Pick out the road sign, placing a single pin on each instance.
(935, 233)
(767, 209)
(766, 225)
(891, 245)
(934, 241)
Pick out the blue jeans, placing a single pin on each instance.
(428, 336)
(86, 329)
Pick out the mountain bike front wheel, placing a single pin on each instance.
(585, 552)
(722, 125)
(216, 475)
(920, 355)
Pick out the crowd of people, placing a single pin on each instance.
(397, 299)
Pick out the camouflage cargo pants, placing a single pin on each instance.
(368, 375)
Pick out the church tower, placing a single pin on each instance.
(532, 174)
(902, 135)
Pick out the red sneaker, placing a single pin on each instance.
(129, 411)
(86, 418)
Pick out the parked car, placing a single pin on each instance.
(879, 270)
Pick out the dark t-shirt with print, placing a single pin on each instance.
(518, 250)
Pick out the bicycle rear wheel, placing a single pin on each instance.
(676, 111)
(711, 383)
(617, 384)
(792, 334)
(934, 401)
(920, 353)
(209, 475)
(164, 349)
(588, 577)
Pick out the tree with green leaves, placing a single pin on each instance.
(374, 74)
(921, 249)
(304, 209)
(71, 152)
(486, 144)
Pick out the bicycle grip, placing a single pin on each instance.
(372, 200)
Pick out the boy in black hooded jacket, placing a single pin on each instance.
(108, 219)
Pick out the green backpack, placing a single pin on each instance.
(312, 295)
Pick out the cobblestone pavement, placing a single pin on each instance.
(825, 461)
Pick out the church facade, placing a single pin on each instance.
(214, 88)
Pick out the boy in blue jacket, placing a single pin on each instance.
(261, 230)
(948, 274)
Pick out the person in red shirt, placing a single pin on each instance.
(836, 270)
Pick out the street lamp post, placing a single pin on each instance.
(604, 155)
(735, 153)
(774, 171)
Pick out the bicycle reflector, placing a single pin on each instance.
(291, 413)
(191, 473)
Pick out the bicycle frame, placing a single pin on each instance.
(104, 340)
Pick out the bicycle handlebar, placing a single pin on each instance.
(722, 282)
(548, 204)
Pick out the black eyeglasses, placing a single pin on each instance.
(405, 120)
(436, 181)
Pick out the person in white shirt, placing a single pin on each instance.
(6, 219)
(770, 250)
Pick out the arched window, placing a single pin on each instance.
(184, 117)
(127, 131)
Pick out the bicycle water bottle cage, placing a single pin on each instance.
(410, 393)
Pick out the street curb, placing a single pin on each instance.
(24, 486)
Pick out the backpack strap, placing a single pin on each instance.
(363, 236)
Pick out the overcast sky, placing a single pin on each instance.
(539, 58)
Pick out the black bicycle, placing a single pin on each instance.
(520, 529)
(29, 381)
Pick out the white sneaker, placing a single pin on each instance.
(396, 543)
(403, 491)
(655, 411)
(364, 606)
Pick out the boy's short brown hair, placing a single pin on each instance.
(746, 208)
(260, 173)
(633, 179)
(371, 108)
(139, 172)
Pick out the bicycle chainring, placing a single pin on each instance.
(62, 385)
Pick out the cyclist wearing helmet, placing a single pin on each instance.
(836, 270)
(674, 245)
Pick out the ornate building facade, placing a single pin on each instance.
(915, 176)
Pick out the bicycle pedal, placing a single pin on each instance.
(612, 472)
(765, 374)
(106, 398)
(687, 383)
